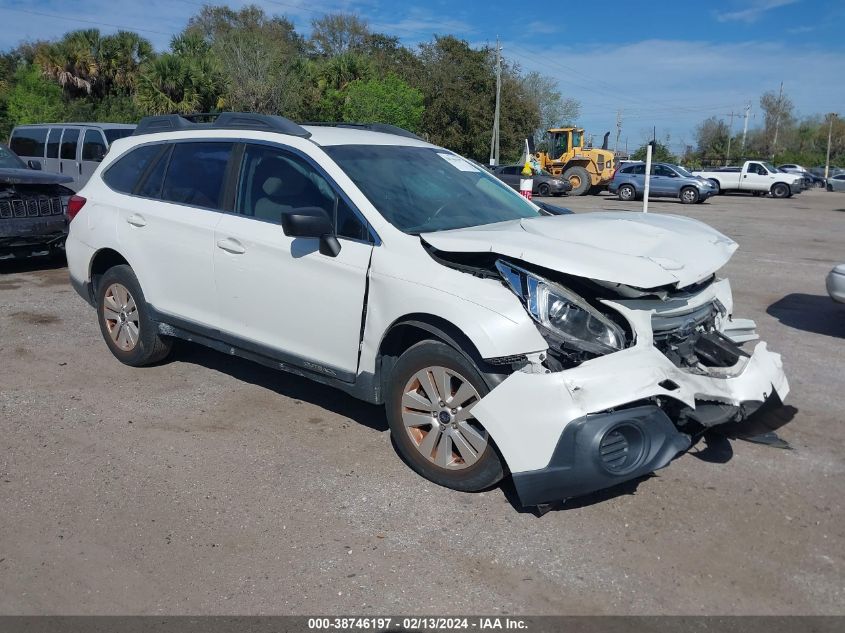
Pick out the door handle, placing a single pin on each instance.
(79, 165)
(136, 220)
(231, 245)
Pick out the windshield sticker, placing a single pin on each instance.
(457, 162)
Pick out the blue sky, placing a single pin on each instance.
(664, 63)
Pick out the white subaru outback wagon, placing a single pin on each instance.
(573, 352)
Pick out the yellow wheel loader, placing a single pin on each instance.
(588, 170)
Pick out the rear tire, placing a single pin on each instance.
(579, 178)
(780, 190)
(430, 383)
(627, 193)
(124, 318)
(717, 185)
(689, 195)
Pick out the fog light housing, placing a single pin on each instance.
(622, 448)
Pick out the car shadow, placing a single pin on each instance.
(283, 383)
(818, 314)
(32, 264)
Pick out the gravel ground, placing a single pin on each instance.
(209, 485)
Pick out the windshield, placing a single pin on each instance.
(772, 169)
(9, 160)
(422, 189)
(682, 171)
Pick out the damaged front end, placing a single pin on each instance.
(630, 379)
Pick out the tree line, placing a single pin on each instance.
(782, 137)
(247, 60)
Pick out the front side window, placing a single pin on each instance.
(112, 134)
(421, 189)
(69, 140)
(196, 174)
(93, 146)
(29, 141)
(273, 182)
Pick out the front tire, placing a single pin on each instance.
(780, 190)
(543, 190)
(124, 318)
(689, 195)
(429, 399)
(579, 178)
(626, 193)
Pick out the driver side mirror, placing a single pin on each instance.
(312, 222)
(34, 164)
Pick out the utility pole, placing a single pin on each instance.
(618, 131)
(745, 126)
(830, 117)
(730, 134)
(494, 142)
(777, 121)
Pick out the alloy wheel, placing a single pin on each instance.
(437, 407)
(121, 317)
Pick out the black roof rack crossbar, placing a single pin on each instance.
(384, 128)
(220, 121)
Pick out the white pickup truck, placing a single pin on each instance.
(756, 176)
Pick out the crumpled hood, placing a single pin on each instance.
(635, 249)
(15, 176)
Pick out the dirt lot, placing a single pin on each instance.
(211, 485)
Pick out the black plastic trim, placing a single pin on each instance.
(575, 467)
(221, 121)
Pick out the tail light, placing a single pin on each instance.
(74, 206)
(613, 175)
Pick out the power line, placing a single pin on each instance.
(83, 20)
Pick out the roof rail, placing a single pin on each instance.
(384, 128)
(220, 121)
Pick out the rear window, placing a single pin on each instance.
(29, 141)
(126, 171)
(196, 174)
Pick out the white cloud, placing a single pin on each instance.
(753, 13)
(676, 84)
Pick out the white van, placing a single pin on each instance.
(71, 149)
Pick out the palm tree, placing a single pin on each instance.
(73, 61)
(121, 57)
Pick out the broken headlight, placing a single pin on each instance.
(563, 313)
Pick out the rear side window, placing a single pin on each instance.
(150, 186)
(634, 169)
(93, 146)
(125, 173)
(53, 142)
(197, 173)
(69, 140)
(29, 141)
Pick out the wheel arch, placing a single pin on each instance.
(102, 260)
(411, 329)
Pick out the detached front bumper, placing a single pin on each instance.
(561, 433)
